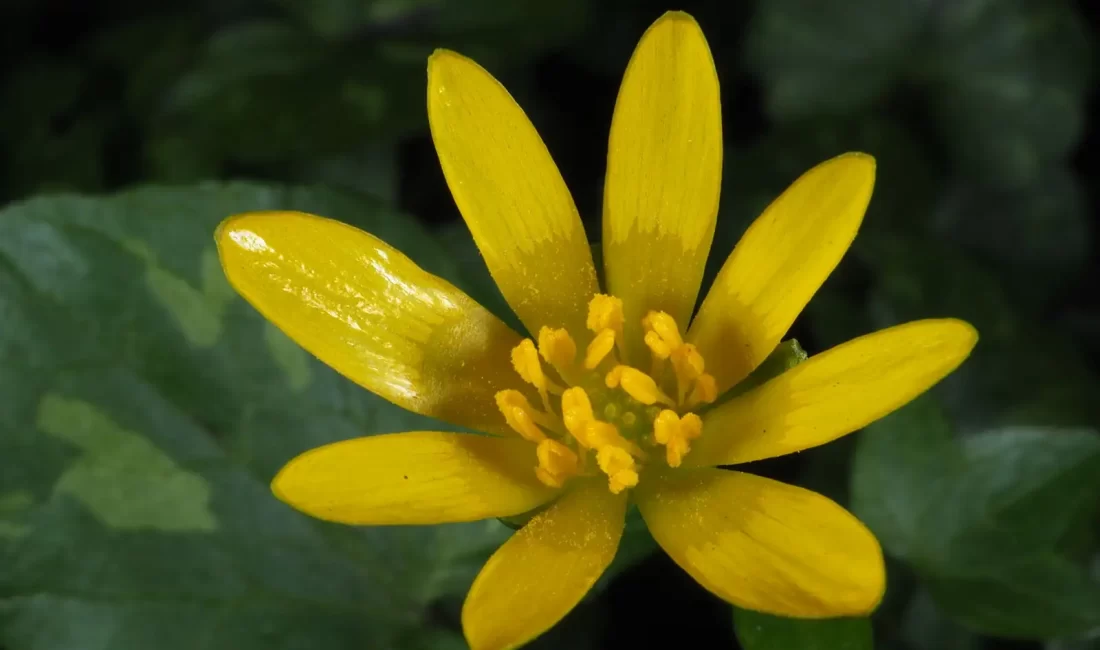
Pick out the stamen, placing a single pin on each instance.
(676, 434)
(619, 467)
(687, 363)
(517, 413)
(638, 385)
(663, 326)
(525, 359)
(657, 345)
(605, 312)
(557, 348)
(576, 411)
(705, 391)
(614, 427)
(556, 463)
(599, 348)
(603, 434)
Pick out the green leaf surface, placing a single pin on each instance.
(1007, 81)
(1023, 372)
(807, 53)
(265, 91)
(1036, 237)
(1044, 597)
(926, 627)
(516, 28)
(758, 631)
(981, 518)
(1004, 81)
(146, 409)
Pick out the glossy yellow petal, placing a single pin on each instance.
(545, 569)
(368, 311)
(511, 195)
(664, 173)
(779, 264)
(834, 393)
(764, 545)
(419, 477)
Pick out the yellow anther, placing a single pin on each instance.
(557, 348)
(619, 466)
(688, 362)
(576, 411)
(688, 365)
(599, 434)
(605, 312)
(517, 413)
(525, 359)
(657, 345)
(556, 463)
(676, 434)
(599, 348)
(615, 377)
(637, 384)
(664, 326)
(704, 392)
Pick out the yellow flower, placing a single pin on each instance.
(614, 399)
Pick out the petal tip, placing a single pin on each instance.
(963, 332)
(676, 16)
(483, 632)
(858, 162)
(223, 233)
(441, 56)
(863, 597)
(673, 21)
(228, 237)
(873, 596)
(279, 485)
(241, 232)
(443, 61)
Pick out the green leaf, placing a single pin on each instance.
(1035, 236)
(807, 54)
(1022, 372)
(981, 518)
(51, 139)
(264, 91)
(145, 409)
(758, 631)
(1008, 81)
(1044, 597)
(1004, 81)
(515, 28)
(926, 627)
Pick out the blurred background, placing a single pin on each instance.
(144, 407)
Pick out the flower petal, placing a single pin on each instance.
(664, 174)
(834, 393)
(545, 569)
(419, 477)
(511, 195)
(779, 264)
(372, 314)
(765, 545)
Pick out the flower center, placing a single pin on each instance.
(599, 414)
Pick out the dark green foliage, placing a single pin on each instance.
(144, 407)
